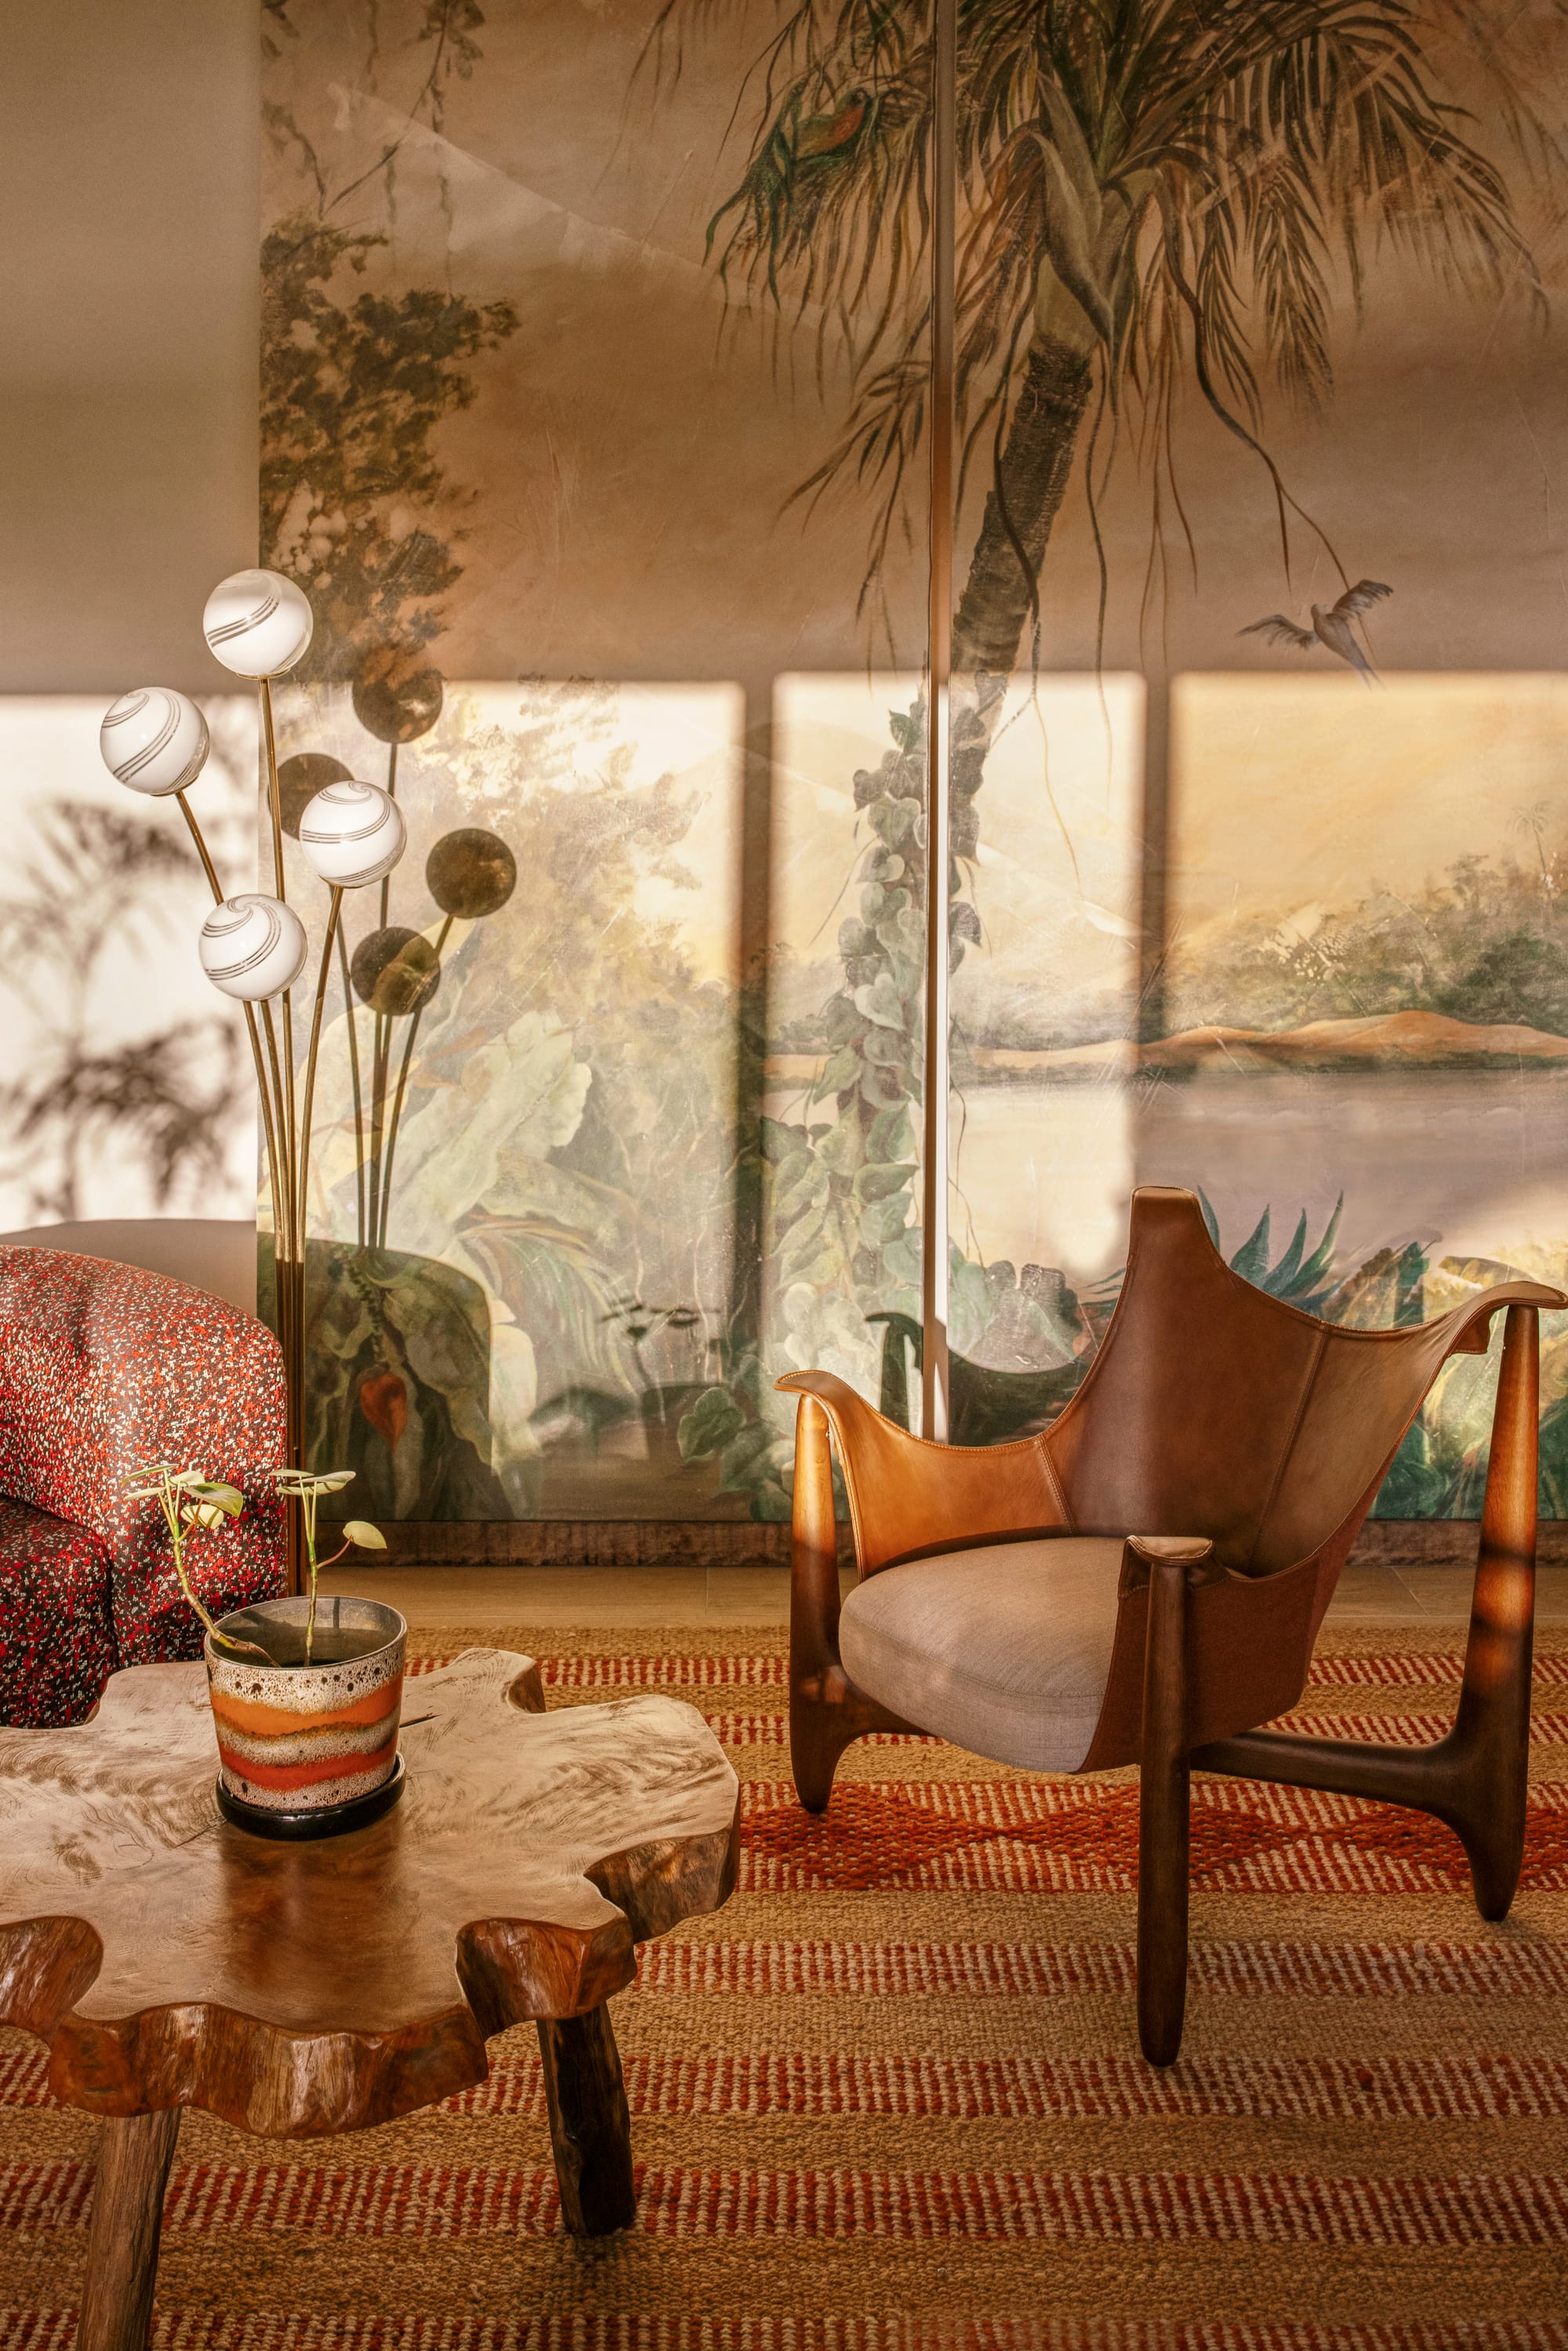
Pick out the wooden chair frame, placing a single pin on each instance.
(1204, 1655)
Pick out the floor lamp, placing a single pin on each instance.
(253, 946)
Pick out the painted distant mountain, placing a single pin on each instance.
(1389, 1039)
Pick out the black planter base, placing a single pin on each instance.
(328, 1821)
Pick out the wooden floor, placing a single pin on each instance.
(485, 1597)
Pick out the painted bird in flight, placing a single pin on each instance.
(1330, 626)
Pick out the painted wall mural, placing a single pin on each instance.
(593, 424)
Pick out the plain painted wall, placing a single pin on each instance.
(129, 190)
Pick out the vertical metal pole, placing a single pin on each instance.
(934, 1411)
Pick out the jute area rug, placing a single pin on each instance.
(891, 2098)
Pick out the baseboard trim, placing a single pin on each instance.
(1444, 1542)
(576, 1543)
(651, 1542)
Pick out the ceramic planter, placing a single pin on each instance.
(308, 1749)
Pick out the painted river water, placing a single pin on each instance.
(1470, 1163)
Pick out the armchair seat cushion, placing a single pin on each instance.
(56, 1638)
(1004, 1649)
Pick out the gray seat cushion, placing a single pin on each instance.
(1005, 1650)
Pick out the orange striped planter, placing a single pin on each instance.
(298, 1738)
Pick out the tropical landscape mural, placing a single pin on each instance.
(594, 424)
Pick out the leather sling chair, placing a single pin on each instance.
(1142, 1582)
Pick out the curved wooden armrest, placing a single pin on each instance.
(908, 1496)
(1472, 1322)
(1141, 1554)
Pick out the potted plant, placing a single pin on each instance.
(306, 1693)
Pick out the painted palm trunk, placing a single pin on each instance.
(299, 1736)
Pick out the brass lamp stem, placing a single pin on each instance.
(381, 1234)
(268, 1129)
(310, 1059)
(354, 1081)
(289, 1097)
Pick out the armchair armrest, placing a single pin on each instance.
(907, 1496)
(1141, 1554)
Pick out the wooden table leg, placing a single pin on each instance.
(589, 2126)
(133, 2158)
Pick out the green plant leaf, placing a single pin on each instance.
(803, 1246)
(842, 1070)
(841, 1024)
(743, 1457)
(893, 821)
(709, 1425)
(880, 1182)
(808, 1191)
(840, 1148)
(313, 1481)
(1251, 1260)
(818, 1267)
(770, 1501)
(884, 1089)
(227, 1498)
(361, 1532)
(880, 1002)
(779, 1141)
(889, 1135)
(883, 1220)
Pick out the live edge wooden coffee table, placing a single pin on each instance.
(170, 1959)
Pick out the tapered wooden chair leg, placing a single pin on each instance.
(817, 1739)
(1164, 1795)
(818, 1733)
(133, 2158)
(1490, 1738)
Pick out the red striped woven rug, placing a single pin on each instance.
(890, 2099)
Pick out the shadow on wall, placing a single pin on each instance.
(123, 1085)
(212, 1253)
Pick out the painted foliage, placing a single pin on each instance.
(594, 424)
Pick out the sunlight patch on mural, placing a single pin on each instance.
(523, 1182)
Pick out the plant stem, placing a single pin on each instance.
(309, 1501)
(170, 1501)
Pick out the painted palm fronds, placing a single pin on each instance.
(1163, 191)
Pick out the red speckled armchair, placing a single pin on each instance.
(104, 1367)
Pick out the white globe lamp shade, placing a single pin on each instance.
(252, 947)
(154, 740)
(258, 622)
(351, 833)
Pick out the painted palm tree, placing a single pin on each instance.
(1153, 195)
(1150, 190)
